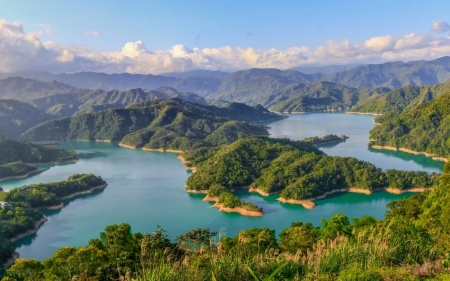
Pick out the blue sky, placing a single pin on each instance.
(107, 26)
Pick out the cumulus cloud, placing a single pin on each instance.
(20, 51)
(91, 33)
(440, 26)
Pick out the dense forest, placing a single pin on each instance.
(410, 244)
(405, 98)
(18, 158)
(294, 168)
(22, 213)
(159, 124)
(425, 128)
(16, 117)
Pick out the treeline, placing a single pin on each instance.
(51, 194)
(294, 168)
(18, 151)
(405, 98)
(21, 212)
(15, 169)
(426, 128)
(160, 124)
(16, 156)
(411, 243)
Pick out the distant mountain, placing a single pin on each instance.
(394, 75)
(203, 86)
(159, 124)
(256, 86)
(404, 98)
(16, 117)
(316, 96)
(198, 73)
(326, 69)
(280, 91)
(63, 100)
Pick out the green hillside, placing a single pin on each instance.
(15, 155)
(294, 168)
(425, 128)
(404, 98)
(16, 117)
(159, 124)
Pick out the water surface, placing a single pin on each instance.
(146, 189)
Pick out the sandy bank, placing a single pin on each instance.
(262, 192)
(400, 191)
(432, 156)
(231, 210)
(36, 227)
(196, 191)
(376, 123)
(29, 174)
(85, 191)
(309, 204)
(365, 113)
(127, 146)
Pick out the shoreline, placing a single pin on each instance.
(261, 192)
(29, 174)
(29, 232)
(432, 156)
(61, 205)
(238, 210)
(308, 203)
(364, 113)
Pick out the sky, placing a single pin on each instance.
(153, 37)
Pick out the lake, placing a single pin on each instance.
(146, 189)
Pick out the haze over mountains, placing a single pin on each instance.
(48, 96)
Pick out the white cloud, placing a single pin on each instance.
(66, 56)
(440, 26)
(91, 33)
(20, 51)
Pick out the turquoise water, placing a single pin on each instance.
(146, 189)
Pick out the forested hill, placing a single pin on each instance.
(289, 91)
(61, 100)
(404, 98)
(294, 168)
(159, 124)
(425, 128)
(16, 117)
(18, 151)
(15, 157)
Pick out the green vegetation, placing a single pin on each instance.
(404, 98)
(294, 168)
(16, 169)
(14, 156)
(426, 128)
(229, 200)
(325, 139)
(16, 117)
(159, 124)
(21, 213)
(51, 194)
(410, 244)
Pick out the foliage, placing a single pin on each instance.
(160, 124)
(18, 151)
(426, 128)
(51, 194)
(294, 168)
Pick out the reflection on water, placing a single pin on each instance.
(146, 189)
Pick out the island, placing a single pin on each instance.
(19, 159)
(295, 170)
(20, 207)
